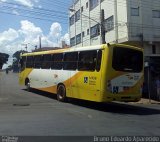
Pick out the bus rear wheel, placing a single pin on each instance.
(61, 93)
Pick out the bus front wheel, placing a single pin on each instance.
(28, 87)
(61, 93)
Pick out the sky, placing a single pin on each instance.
(24, 21)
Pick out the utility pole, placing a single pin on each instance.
(103, 32)
(116, 21)
(141, 40)
(40, 42)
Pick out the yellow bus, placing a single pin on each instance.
(101, 73)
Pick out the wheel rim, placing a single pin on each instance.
(28, 86)
(61, 93)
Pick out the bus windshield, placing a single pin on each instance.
(127, 60)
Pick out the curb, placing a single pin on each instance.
(146, 101)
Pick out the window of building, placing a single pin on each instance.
(86, 5)
(77, 15)
(153, 49)
(81, 9)
(57, 61)
(70, 61)
(72, 20)
(78, 39)
(156, 13)
(109, 24)
(87, 60)
(135, 11)
(46, 61)
(83, 34)
(93, 4)
(95, 31)
(37, 61)
(72, 41)
(87, 31)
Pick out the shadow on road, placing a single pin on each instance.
(112, 107)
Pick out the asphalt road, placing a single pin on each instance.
(38, 113)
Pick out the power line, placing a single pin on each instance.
(40, 9)
(19, 10)
(38, 18)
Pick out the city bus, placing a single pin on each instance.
(100, 73)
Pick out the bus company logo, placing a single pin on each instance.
(55, 76)
(85, 79)
(129, 77)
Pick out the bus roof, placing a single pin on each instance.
(96, 47)
(85, 48)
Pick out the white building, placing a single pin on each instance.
(135, 22)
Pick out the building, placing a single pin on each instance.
(134, 22)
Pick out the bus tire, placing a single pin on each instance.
(61, 93)
(27, 83)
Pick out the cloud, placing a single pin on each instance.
(15, 12)
(55, 30)
(66, 38)
(27, 3)
(8, 36)
(28, 33)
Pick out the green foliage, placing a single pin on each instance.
(3, 59)
(17, 54)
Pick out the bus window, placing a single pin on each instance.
(22, 63)
(87, 60)
(30, 61)
(70, 61)
(99, 58)
(127, 60)
(37, 61)
(57, 61)
(46, 61)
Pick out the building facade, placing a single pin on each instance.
(126, 21)
(134, 22)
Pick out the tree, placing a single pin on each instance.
(3, 59)
(16, 58)
(17, 54)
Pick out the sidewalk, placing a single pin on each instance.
(146, 101)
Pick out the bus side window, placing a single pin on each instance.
(70, 61)
(30, 62)
(37, 62)
(57, 61)
(46, 62)
(22, 63)
(87, 60)
(99, 58)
